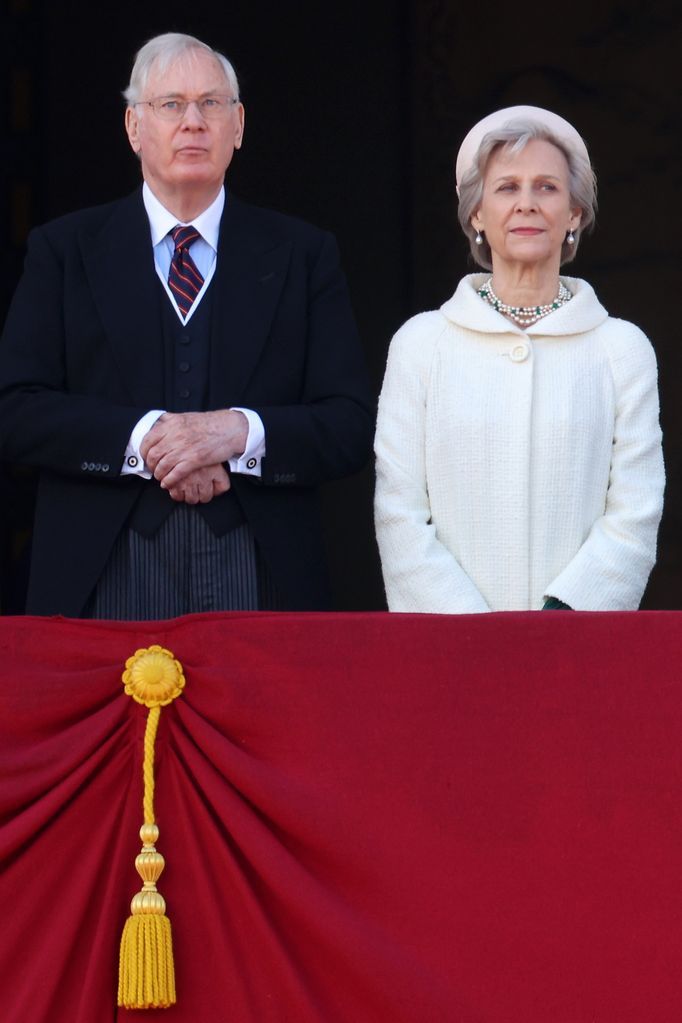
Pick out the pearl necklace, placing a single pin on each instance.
(524, 315)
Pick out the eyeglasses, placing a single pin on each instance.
(170, 108)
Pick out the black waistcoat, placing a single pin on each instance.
(187, 351)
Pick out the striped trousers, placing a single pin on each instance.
(182, 569)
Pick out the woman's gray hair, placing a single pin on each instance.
(164, 50)
(513, 137)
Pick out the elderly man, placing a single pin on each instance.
(185, 371)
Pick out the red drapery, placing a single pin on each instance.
(365, 818)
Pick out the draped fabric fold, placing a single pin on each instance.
(365, 818)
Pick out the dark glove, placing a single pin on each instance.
(554, 604)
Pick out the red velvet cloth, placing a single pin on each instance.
(365, 818)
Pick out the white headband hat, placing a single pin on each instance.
(563, 131)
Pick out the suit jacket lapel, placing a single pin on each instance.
(119, 262)
(250, 274)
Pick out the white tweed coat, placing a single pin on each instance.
(513, 465)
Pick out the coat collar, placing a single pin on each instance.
(119, 264)
(583, 313)
(250, 274)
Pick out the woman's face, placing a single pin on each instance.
(526, 208)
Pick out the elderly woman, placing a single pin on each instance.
(519, 460)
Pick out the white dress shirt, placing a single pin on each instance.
(204, 253)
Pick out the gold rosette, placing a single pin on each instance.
(153, 677)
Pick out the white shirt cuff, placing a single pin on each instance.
(133, 462)
(248, 463)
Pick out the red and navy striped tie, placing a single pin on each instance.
(184, 279)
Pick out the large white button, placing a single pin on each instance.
(519, 352)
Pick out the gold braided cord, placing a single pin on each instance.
(148, 765)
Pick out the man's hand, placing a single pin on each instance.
(179, 443)
(201, 485)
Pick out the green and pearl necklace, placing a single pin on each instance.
(524, 315)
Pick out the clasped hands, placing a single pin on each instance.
(186, 452)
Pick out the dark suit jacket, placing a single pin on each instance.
(81, 360)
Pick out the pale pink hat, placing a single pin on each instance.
(564, 132)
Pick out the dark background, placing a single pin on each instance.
(354, 113)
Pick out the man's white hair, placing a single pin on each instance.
(162, 51)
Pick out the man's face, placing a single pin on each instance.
(188, 156)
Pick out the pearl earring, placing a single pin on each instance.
(479, 238)
(571, 237)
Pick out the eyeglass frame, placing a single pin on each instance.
(183, 105)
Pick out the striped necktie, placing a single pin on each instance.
(184, 279)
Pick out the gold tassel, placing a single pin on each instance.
(146, 978)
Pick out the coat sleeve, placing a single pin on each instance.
(611, 568)
(47, 418)
(327, 432)
(420, 574)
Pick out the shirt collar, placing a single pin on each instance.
(161, 220)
